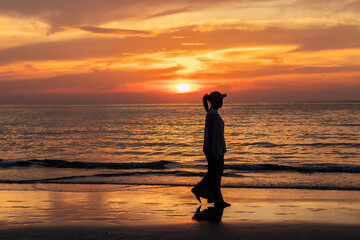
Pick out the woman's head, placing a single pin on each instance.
(215, 98)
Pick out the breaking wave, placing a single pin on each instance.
(51, 163)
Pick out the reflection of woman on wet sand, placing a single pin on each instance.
(210, 214)
(214, 149)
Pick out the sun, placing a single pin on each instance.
(183, 87)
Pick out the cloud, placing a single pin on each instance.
(193, 44)
(314, 39)
(170, 12)
(94, 12)
(328, 5)
(98, 81)
(113, 86)
(337, 37)
(291, 87)
(308, 39)
(58, 12)
(100, 30)
(268, 71)
(353, 6)
(87, 48)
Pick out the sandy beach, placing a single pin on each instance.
(50, 211)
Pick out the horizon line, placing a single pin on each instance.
(179, 103)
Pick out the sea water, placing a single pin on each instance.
(297, 145)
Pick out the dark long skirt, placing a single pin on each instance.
(209, 186)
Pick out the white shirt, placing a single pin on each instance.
(214, 140)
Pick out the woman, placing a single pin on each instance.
(214, 149)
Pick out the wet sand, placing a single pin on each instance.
(50, 211)
(189, 231)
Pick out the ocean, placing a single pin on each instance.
(292, 145)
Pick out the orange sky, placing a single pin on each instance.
(115, 51)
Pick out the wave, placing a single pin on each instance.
(158, 165)
(85, 165)
(349, 124)
(343, 144)
(318, 145)
(319, 168)
(260, 144)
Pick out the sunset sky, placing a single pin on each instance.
(117, 51)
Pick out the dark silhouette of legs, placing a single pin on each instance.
(209, 186)
(215, 172)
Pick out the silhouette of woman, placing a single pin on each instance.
(214, 148)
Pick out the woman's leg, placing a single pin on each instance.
(202, 188)
(215, 172)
